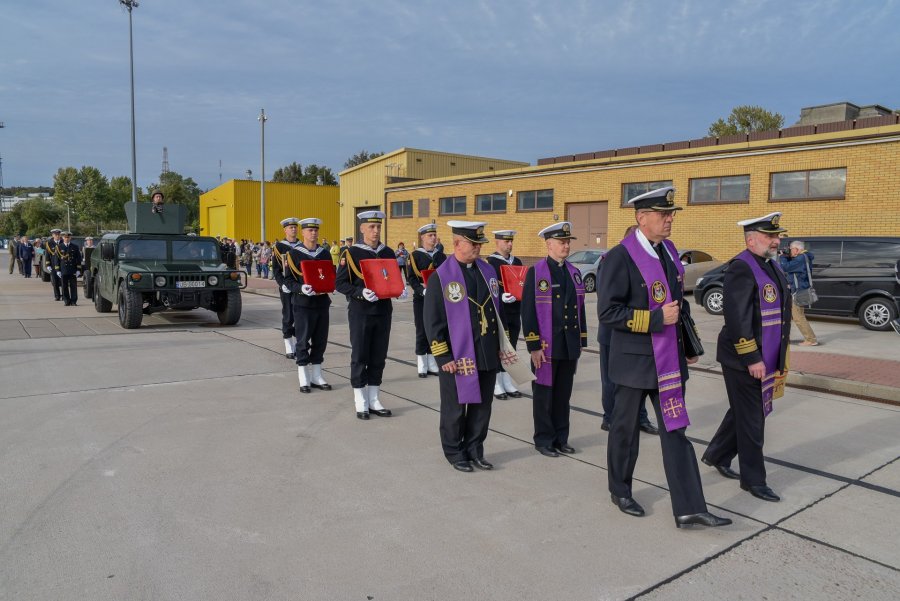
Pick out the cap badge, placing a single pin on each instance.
(775, 220)
(479, 232)
(670, 197)
(566, 228)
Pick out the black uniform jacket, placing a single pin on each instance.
(569, 326)
(279, 255)
(496, 260)
(69, 258)
(487, 347)
(741, 337)
(624, 306)
(293, 275)
(51, 248)
(349, 280)
(421, 259)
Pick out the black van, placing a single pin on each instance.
(854, 276)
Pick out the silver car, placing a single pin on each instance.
(696, 263)
(587, 261)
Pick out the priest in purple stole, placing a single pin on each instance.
(555, 331)
(464, 321)
(752, 349)
(640, 296)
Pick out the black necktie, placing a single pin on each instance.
(663, 255)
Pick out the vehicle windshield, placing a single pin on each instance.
(195, 250)
(585, 256)
(148, 250)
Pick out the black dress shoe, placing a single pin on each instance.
(305, 389)
(701, 519)
(604, 426)
(362, 415)
(761, 492)
(502, 396)
(514, 394)
(463, 466)
(380, 412)
(722, 469)
(321, 386)
(434, 373)
(628, 505)
(423, 375)
(481, 464)
(564, 448)
(649, 428)
(547, 451)
(290, 356)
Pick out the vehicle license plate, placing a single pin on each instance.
(195, 284)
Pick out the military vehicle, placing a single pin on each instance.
(156, 267)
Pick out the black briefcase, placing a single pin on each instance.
(691, 336)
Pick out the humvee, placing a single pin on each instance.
(155, 267)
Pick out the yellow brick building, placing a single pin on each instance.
(831, 179)
(232, 209)
(363, 186)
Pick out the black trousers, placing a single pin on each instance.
(369, 339)
(550, 405)
(743, 428)
(608, 390)
(422, 347)
(463, 428)
(287, 315)
(679, 460)
(57, 284)
(311, 326)
(26, 268)
(70, 289)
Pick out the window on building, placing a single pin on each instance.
(720, 189)
(809, 185)
(535, 200)
(402, 208)
(490, 203)
(629, 191)
(453, 205)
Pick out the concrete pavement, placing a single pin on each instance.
(180, 462)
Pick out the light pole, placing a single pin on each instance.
(262, 174)
(132, 4)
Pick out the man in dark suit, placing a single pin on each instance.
(504, 387)
(26, 255)
(69, 268)
(640, 296)
(752, 349)
(424, 257)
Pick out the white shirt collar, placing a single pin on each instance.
(646, 244)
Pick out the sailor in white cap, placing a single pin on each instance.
(68, 268)
(504, 387)
(425, 256)
(51, 250)
(279, 251)
(369, 317)
(752, 349)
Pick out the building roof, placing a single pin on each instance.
(405, 149)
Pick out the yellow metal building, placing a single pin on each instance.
(363, 186)
(232, 209)
(828, 179)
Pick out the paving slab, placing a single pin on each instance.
(887, 476)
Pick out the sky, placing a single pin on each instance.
(516, 80)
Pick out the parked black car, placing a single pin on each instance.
(854, 276)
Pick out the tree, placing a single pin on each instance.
(312, 173)
(361, 157)
(292, 174)
(86, 192)
(34, 216)
(746, 119)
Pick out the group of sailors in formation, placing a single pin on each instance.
(469, 314)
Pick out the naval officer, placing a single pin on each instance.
(279, 253)
(68, 262)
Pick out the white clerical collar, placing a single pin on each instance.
(648, 246)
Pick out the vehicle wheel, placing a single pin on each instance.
(230, 308)
(101, 305)
(877, 314)
(590, 283)
(131, 305)
(87, 285)
(713, 299)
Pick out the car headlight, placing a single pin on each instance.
(160, 280)
(213, 280)
(699, 281)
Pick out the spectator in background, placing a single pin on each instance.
(26, 255)
(247, 258)
(336, 252)
(38, 252)
(797, 265)
(402, 258)
(13, 253)
(265, 255)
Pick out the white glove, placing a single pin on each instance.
(59, 274)
(508, 298)
(78, 274)
(404, 295)
(285, 289)
(307, 290)
(424, 290)
(370, 295)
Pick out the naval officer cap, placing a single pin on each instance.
(428, 228)
(561, 231)
(661, 199)
(504, 234)
(67, 234)
(289, 221)
(473, 231)
(56, 230)
(310, 222)
(370, 217)
(767, 225)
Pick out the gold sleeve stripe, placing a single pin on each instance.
(584, 334)
(532, 337)
(745, 346)
(439, 348)
(640, 322)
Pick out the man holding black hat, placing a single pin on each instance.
(52, 251)
(279, 254)
(752, 349)
(369, 316)
(640, 296)
(424, 257)
(69, 268)
(463, 319)
(504, 387)
(556, 330)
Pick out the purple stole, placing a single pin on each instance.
(666, 351)
(543, 304)
(462, 342)
(770, 315)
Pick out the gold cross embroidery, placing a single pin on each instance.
(673, 408)
(465, 366)
(544, 344)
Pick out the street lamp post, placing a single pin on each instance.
(132, 4)
(262, 174)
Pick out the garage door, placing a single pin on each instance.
(217, 220)
(589, 224)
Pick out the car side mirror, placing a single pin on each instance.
(107, 252)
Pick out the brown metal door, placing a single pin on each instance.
(589, 224)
